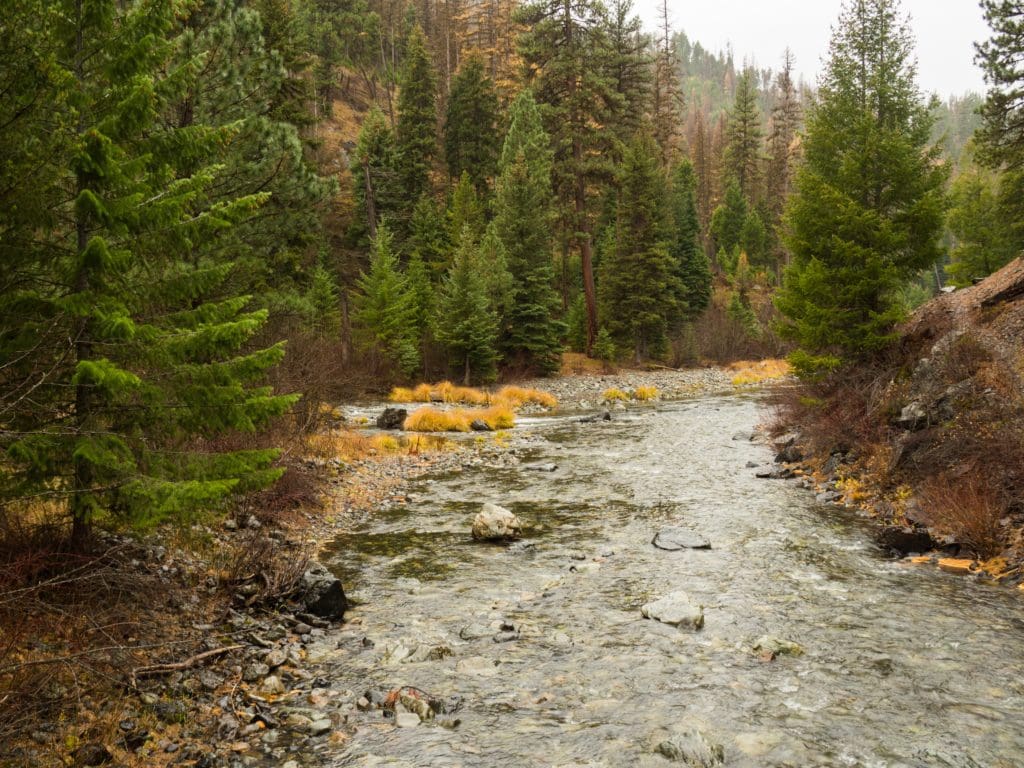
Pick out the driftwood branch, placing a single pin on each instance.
(191, 661)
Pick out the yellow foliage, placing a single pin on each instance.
(614, 394)
(449, 393)
(436, 420)
(401, 395)
(423, 393)
(498, 416)
(387, 444)
(756, 372)
(516, 397)
(644, 394)
(352, 445)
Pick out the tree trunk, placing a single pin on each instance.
(465, 378)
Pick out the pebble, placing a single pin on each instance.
(407, 720)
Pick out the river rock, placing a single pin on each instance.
(542, 467)
(322, 593)
(392, 418)
(771, 647)
(691, 747)
(904, 541)
(479, 425)
(675, 539)
(494, 523)
(675, 609)
(407, 720)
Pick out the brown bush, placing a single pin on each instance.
(969, 508)
(274, 567)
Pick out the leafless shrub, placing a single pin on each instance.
(969, 509)
(274, 568)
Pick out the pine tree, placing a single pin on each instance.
(703, 168)
(383, 309)
(416, 129)
(471, 139)
(667, 109)
(421, 301)
(983, 240)
(375, 176)
(691, 263)
(566, 53)
(523, 224)
(465, 323)
(465, 210)
(125, 309)
(629, 69)
(785, 122)
(729, 218)
(868, 208)
(640, 287)
(1001, 58)
(428, 236)
(743, 136)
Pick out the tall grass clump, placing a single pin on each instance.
(614, 394)
(645, 394)
(517, 397)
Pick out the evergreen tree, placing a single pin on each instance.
(375, 177)
(465, 323)
(743, 136)
(416, 129)
(124, 308)
(566, 52)
(523, 224)
(471, 139)
(691, 262)
(1001, 58)
(868, 207)
(384, 310)
(640, 287)
(428, 236)
(465, 210)
(668, 102)
(729, 218)
(983, 240)
(785, 122)
(420, 297)
(629, 68)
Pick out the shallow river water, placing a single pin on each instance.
(903, 665)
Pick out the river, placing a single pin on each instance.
(902, 666)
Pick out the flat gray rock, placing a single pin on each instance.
(675, 609)
(675, 539)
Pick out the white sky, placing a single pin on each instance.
(761, 29)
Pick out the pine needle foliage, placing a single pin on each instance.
(121, 336)
(869, 202)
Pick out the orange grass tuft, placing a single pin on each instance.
(516, 397)
(643, 394)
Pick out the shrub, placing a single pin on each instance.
(644, 394)
(516, 397)
(613, 394)
(969, 509)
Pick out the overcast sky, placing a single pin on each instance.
(945, 31)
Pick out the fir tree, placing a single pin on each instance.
(523, 224)
(383, 309)
(465, 210)
(1001, 58)
(691, 263)
(983, 240)
(729, 218)
(375, 177)
(465, 323)
(566, 52)
(421, 300)
(785, 122)
(416, 139)
(428, 236)
(743, 136)
(127, 281)
(471, 139)
(668, 102)
(868, 207)
(640, 287)
(629, 68)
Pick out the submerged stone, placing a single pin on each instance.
(494, 523)
(675, 609)
(675, 539)
(691, 747)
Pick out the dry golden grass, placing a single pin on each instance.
(517, 397)
(644, 394)
(450, 393)
(747, 372)
(351, 445)
(427, 419)
(613, 394)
